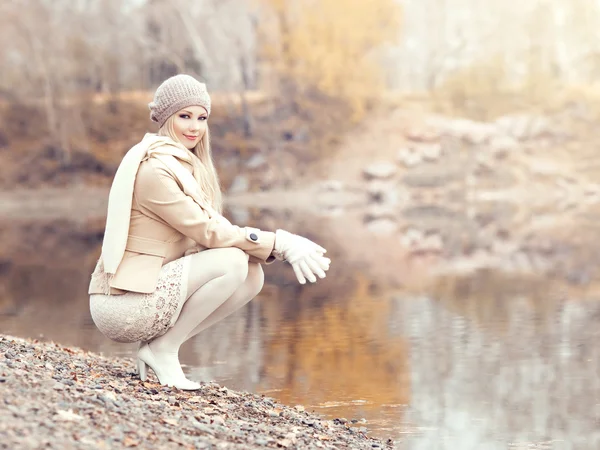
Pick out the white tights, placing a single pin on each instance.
(220, 282)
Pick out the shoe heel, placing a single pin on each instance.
(142, 369)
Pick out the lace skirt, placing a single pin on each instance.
(135, 317)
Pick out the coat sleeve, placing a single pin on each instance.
(158, 194)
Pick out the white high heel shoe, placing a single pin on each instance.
(138, 362)
(146, 358)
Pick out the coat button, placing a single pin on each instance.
(254, 237)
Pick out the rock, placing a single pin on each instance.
(239, 215)
(422, 135)
(256, 161)
(592, 190)
(67, 416)
(523, 126)
(382, 226)
(380, 170)
(380, 191)
(431, 152)
(483, 162)
(411, 238)
(142, 415)
(499, 146)
(380, 211)
(468, 130)
(218, 420)
(240, 185)
(408, 157)
(331, 186)
(432, 243)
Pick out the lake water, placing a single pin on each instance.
(443, 330)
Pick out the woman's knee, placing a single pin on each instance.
(256, 278)
(231, 263)
(236, 263)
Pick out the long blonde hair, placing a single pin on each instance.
(204, 166)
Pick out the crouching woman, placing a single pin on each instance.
(171, 264)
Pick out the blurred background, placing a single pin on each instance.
(446, 152)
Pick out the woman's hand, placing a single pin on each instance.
(305, 257)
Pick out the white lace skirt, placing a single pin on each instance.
(135, 317)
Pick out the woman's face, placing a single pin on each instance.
(189, 125)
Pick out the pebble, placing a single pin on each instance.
(83, 400)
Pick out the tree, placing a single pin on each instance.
(326, 48)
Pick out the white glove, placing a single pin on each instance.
(305, 257)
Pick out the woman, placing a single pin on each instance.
(171, 264)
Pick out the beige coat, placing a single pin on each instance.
(166, 224)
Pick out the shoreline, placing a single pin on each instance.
(61, 397)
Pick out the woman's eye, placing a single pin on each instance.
(202, 118)
(184, 116)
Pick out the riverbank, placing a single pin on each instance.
(60, 397)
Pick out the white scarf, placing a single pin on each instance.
(120, 197)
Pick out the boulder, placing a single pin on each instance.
(468, 130)
(382, 227)
(412, 238)
(430, 152)
(380, 170)
(240, 185)
(501, 145)
(523, 126)
(382, 191)
(331, 186)
(256, 161)
(409, 157)
(423, 135)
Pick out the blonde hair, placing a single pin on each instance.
(204, 166)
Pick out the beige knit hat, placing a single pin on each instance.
(176, 93)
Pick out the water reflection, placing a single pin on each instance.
(497, 361)
(436, 353)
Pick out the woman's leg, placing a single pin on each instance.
(214, 275)
(246, 292)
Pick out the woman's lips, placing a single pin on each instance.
(191, 138)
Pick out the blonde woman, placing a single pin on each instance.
(171, 264)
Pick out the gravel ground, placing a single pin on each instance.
(65, 398)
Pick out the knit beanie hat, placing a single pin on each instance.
(176, 93)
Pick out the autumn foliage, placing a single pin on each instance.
(328, 48)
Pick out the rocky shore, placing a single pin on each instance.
(57, 397)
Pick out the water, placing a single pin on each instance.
(440, 332)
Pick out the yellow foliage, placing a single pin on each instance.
(329, 47)
(486, 90)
